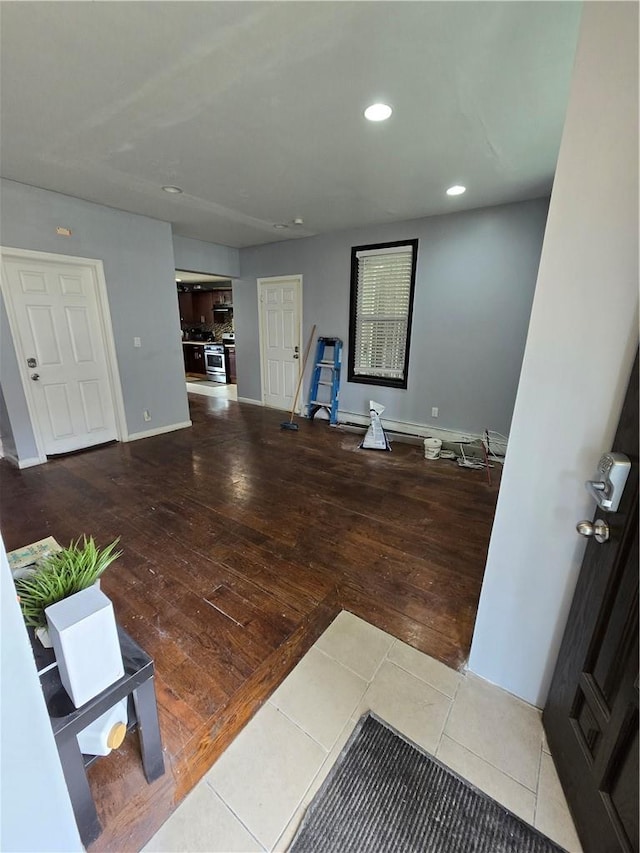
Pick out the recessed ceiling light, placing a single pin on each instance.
(174, 190)
(280, 225)
(378, 112)
(456, 190)
(178, 279)
(298, 221)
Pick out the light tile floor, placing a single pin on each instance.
(254, 796)
(213, 389)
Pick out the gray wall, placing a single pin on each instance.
(580, 347)
(16, 423)
(35, 811)
(6, 432)
(474, 287)
(137, 253)
(212, 258)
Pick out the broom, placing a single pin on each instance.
(290, 424)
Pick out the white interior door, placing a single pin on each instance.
(280, 315)
(61, 349)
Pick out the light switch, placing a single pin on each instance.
(137, 342)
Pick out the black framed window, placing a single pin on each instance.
(383, 278)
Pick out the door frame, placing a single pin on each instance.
(297, 278)
(106, 328)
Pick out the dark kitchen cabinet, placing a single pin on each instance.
(222, 296)
(194, 359)
(203, 307)
(185, 304)
(230, 359)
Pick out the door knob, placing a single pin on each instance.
(599, 529)
(35, 376)
(295, 355)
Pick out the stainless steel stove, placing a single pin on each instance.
(214, 361)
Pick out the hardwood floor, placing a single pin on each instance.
(241, 543)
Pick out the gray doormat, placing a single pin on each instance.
(385, 794)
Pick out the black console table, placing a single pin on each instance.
(67, 721)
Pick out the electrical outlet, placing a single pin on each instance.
(137, 342)
(434, 412)
(146, 415)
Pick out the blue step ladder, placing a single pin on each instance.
(326, 375)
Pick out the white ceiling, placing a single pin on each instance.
(255, 109)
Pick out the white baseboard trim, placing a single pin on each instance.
(24, 463)
(409, 429)
(249, 400)
(149, 433)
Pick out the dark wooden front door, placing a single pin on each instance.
(591, 716)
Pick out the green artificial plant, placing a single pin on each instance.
(60, 575)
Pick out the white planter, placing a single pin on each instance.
(42, 634)
(85, 639)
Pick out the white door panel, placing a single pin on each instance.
(43, 338)
(80, 335)
(273, 378)
(289, 330)
(290, 375)
(71, 285)
(273, 329)
(57, 314)
(92, 406)
(280, 308)
(32, 282)
(58, 411)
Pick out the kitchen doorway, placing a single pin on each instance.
(205, 304)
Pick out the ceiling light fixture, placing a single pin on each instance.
(280, 225)
(456, 190)
(298, 221)
(174, 190)
(178, 279)
(378, 112)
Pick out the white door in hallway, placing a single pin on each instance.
(61, 350)
(280, 315)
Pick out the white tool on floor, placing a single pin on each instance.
(375, 438)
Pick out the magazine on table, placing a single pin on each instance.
(23, 560)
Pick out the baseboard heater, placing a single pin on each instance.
(472, 445)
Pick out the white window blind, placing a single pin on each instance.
(382, 311)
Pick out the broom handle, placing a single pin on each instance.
(304, 364)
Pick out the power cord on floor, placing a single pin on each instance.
(465, 462)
